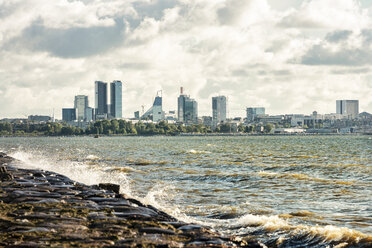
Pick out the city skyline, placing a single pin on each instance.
(288, 56)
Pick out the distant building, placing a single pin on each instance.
(187, 109)
(252, 113)
(218, 110)
(116, 100)
(274, 119)
(101, 99)
(89, 114)
(39, 118)
(155, 113)
(80, 104)
(348, 107)
(68, 114)
(171, 116)
(137, 115)
(207, 121)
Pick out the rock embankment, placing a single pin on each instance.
(41, 208)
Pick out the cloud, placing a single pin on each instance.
(71, 42)
(335, 14)
(341, 48)
(285, 59)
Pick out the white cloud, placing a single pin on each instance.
(247, 50)
(334, 14)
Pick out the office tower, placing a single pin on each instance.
(348, 107)
(89, 114)
(156, 111)
(80, 104)
(181, 106)
(116, 100)
(218, 109)
(100, 100)
(187, 109)
(253, 112)
(191, 111)
(68, 114)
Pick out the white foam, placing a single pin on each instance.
(329, 232)
(92, 157)
(273, 222)
(78, 171)
(192, 151)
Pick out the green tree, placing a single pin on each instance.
(268, 127)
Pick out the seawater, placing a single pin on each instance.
(283, 190)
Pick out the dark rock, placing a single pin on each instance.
(5, 175)
(156, 230)
(38, 174)
(110, 186)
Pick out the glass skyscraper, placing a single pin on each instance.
(81, 103)
(116, 107)
(101, 99)
(218, 109)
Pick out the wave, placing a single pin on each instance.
(303, 177)
(86, 173)
(288, 233)
(192, 151)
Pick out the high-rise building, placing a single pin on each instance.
(68, 114)
(348, 107)
(187, 109)
(101, 110)
(218, 109)
(155, 113)
(80, 104)
(89, 114)
(253, 112)
(116, 110)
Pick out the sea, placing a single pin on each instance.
(285, 191)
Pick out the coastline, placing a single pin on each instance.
(194, 135)
(42, 208)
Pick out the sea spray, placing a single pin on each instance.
(78, 171)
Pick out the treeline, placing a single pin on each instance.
(121, 127)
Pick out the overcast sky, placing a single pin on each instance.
(289, 56)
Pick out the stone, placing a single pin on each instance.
(110, 186)
(156, 230)
(5, 175)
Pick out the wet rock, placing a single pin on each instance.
(38, 174)
(110, 186)
(190, 227)
(156, 230)
(5, 175)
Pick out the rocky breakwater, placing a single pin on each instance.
(41, 208)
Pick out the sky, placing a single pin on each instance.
(289, 56)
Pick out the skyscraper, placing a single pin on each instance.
(218, 109)
(156, 112)
(187, 109)
(80, 104)
(116, 110)
(100, 99)
(68, 114)
(348, 107)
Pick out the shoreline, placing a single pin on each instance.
(198, 135)
(42, 208)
